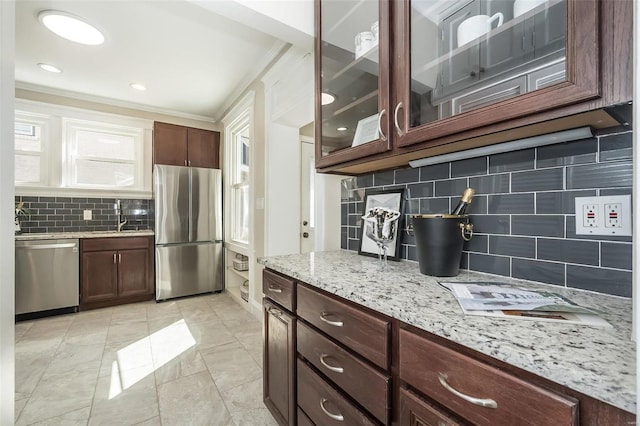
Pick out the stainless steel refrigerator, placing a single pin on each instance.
(188, 230)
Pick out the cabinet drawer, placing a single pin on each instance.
(279, 289)
(415, 411)
(364, 333)
(323, 404)
(115, 243)
(367, 386)
(303, 420)
(462, 384)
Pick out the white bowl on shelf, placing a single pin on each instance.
(523, 6)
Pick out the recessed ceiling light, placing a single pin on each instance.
(341, 129)
(71, 27)
(138, 86)
(49, 67)
(327, 98)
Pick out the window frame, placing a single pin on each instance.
(56, 161)
(44, 121)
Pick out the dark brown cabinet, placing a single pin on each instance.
(352, 365)
(116, 271)
(560, 65)
(279, 369)
(185, 146)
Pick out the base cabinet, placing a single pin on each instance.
(322, 368)
(115, 271)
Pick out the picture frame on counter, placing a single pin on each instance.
(390, 199)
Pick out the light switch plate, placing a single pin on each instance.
(87, 215)
(607, 215)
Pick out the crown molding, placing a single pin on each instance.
(109, 101)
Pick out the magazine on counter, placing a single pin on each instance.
(502, 300)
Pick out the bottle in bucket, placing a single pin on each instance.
(464, 202)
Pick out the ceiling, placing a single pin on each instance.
(193, 61)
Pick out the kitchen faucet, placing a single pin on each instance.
(119, 217)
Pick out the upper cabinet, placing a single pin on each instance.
(185, 146)
(352, 80)
(443, 75)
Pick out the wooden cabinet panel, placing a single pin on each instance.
(185, 146)
(362, 332)
(476, 391)
(414, 411)
(323, 404)
(133, 272)
(303, 419)
(203, 148)
(99, 276)
(116, 271)
(279, 363)
(367, 386)
(169, 144)
(278, 288)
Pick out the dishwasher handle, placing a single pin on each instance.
(48, 246)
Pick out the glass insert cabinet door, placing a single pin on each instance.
(469, 54)
(352, 79)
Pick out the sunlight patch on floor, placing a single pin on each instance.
(135, 361)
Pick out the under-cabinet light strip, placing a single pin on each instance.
(548, 139)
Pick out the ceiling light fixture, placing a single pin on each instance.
(327, 98)
(71, 27)
(49, 67)
(532, 142)
(138, 86)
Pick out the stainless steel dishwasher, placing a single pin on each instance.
(47, 276)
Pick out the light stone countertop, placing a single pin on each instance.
(91, 234)
(598, 362)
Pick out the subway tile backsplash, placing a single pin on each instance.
(66, 214)
(523, 211)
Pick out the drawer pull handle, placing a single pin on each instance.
(275, 289)
(330, 367)
(488, 403)
(275, 312)
(338, 417)
(333, 323)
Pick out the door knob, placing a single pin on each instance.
(305, 223)
(305, 235)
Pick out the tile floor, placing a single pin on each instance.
(193, 361)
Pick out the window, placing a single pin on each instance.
(240, 187)
(68, 151)
(102, 156)
(30, 148)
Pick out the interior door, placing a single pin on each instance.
(307, 197)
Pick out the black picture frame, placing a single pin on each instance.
(392, 199)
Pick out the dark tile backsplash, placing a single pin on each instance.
(66, 214)
(523, 211)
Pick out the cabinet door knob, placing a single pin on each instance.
(382, 135)
(275, 312)
(395, 119)
(274, 289)
(114, 258)
(119, 257)
(333, 323)
(338, 417)
(330, 367)
(483, 402)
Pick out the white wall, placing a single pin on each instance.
(327, 188)
(7, 345)
(282, 194)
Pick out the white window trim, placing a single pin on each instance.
(238, 119)
(55, 185)
(44, 121)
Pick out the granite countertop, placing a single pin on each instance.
(598, 362)
(92, 234)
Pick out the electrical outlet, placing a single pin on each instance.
(87, 215)
(609, 215)
(590, 215)
(613, 215)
